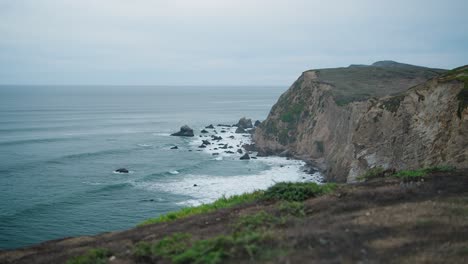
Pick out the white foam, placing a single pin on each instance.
(236, 142)
(144, 145)
(208, 188)
(161, 134)
(174, 172)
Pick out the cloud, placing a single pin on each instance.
(219, 42)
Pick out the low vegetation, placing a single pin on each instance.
(379, 172)
(286, 191)
(94, 256)
(300, 191)
(223, 202)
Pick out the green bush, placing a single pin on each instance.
(298, 191)
(223, 202)
(255, 222)
(93, 256)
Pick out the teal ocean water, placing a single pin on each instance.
(60, 145)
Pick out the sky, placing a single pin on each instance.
(220, 42)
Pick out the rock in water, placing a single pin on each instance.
(185, 131)
(204, 131)
(239, 151)
(257, 123)
(121, 170)
(174, 147)
(206, 142)
(210, 126)
(245, 123)
(240, 130)
(245, 157)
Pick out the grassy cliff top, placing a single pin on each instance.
(360, 82)
(404, 218)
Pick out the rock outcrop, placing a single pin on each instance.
(345, 121)
(245, 123)
(185, 131)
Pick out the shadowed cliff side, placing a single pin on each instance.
(348, 120)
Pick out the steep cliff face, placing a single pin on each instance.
(344, 131)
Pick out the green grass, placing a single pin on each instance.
(421, 173)
(223, 202)
(371, 174)
(281, 191)
(298, 191)
(361, 83)
(296, 209)
(249, 239)
(212, 250)
(93, 256)
(167, 247)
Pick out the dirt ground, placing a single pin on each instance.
(382, 221)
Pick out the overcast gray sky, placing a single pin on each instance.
(212, 42)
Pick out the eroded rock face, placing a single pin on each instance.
(421, 126)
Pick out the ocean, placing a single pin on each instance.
(60, 147)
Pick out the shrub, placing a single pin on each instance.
(93, 256)
(299, 191)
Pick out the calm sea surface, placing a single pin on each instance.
(60, 145)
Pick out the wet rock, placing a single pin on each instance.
(229, 152)
(210, 127)
(223, 131)
(239, 151)
(216, 138)
(253, 157)
(240, 130)
(231, 137)
(195, 185)
(224, 147)
(245, 157)
(122, 170)
(202, 146)
(206, 142)
(185, 131)
(222, 125)
(249, 147)
(245, 123)
(174, 147)
(204, 131)
(215, 154)
(257, 123)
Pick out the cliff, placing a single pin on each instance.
(389, 115)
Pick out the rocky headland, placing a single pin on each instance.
(387, 115)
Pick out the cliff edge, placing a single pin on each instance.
(390, 115)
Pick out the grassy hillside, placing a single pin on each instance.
(405, 217)
(360, 82)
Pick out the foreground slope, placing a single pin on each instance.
(389, 115)
(391, 220)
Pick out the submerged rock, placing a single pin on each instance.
(122, 170)
(245, 157)
(174, 147)
(185, 131)
(240, 130)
